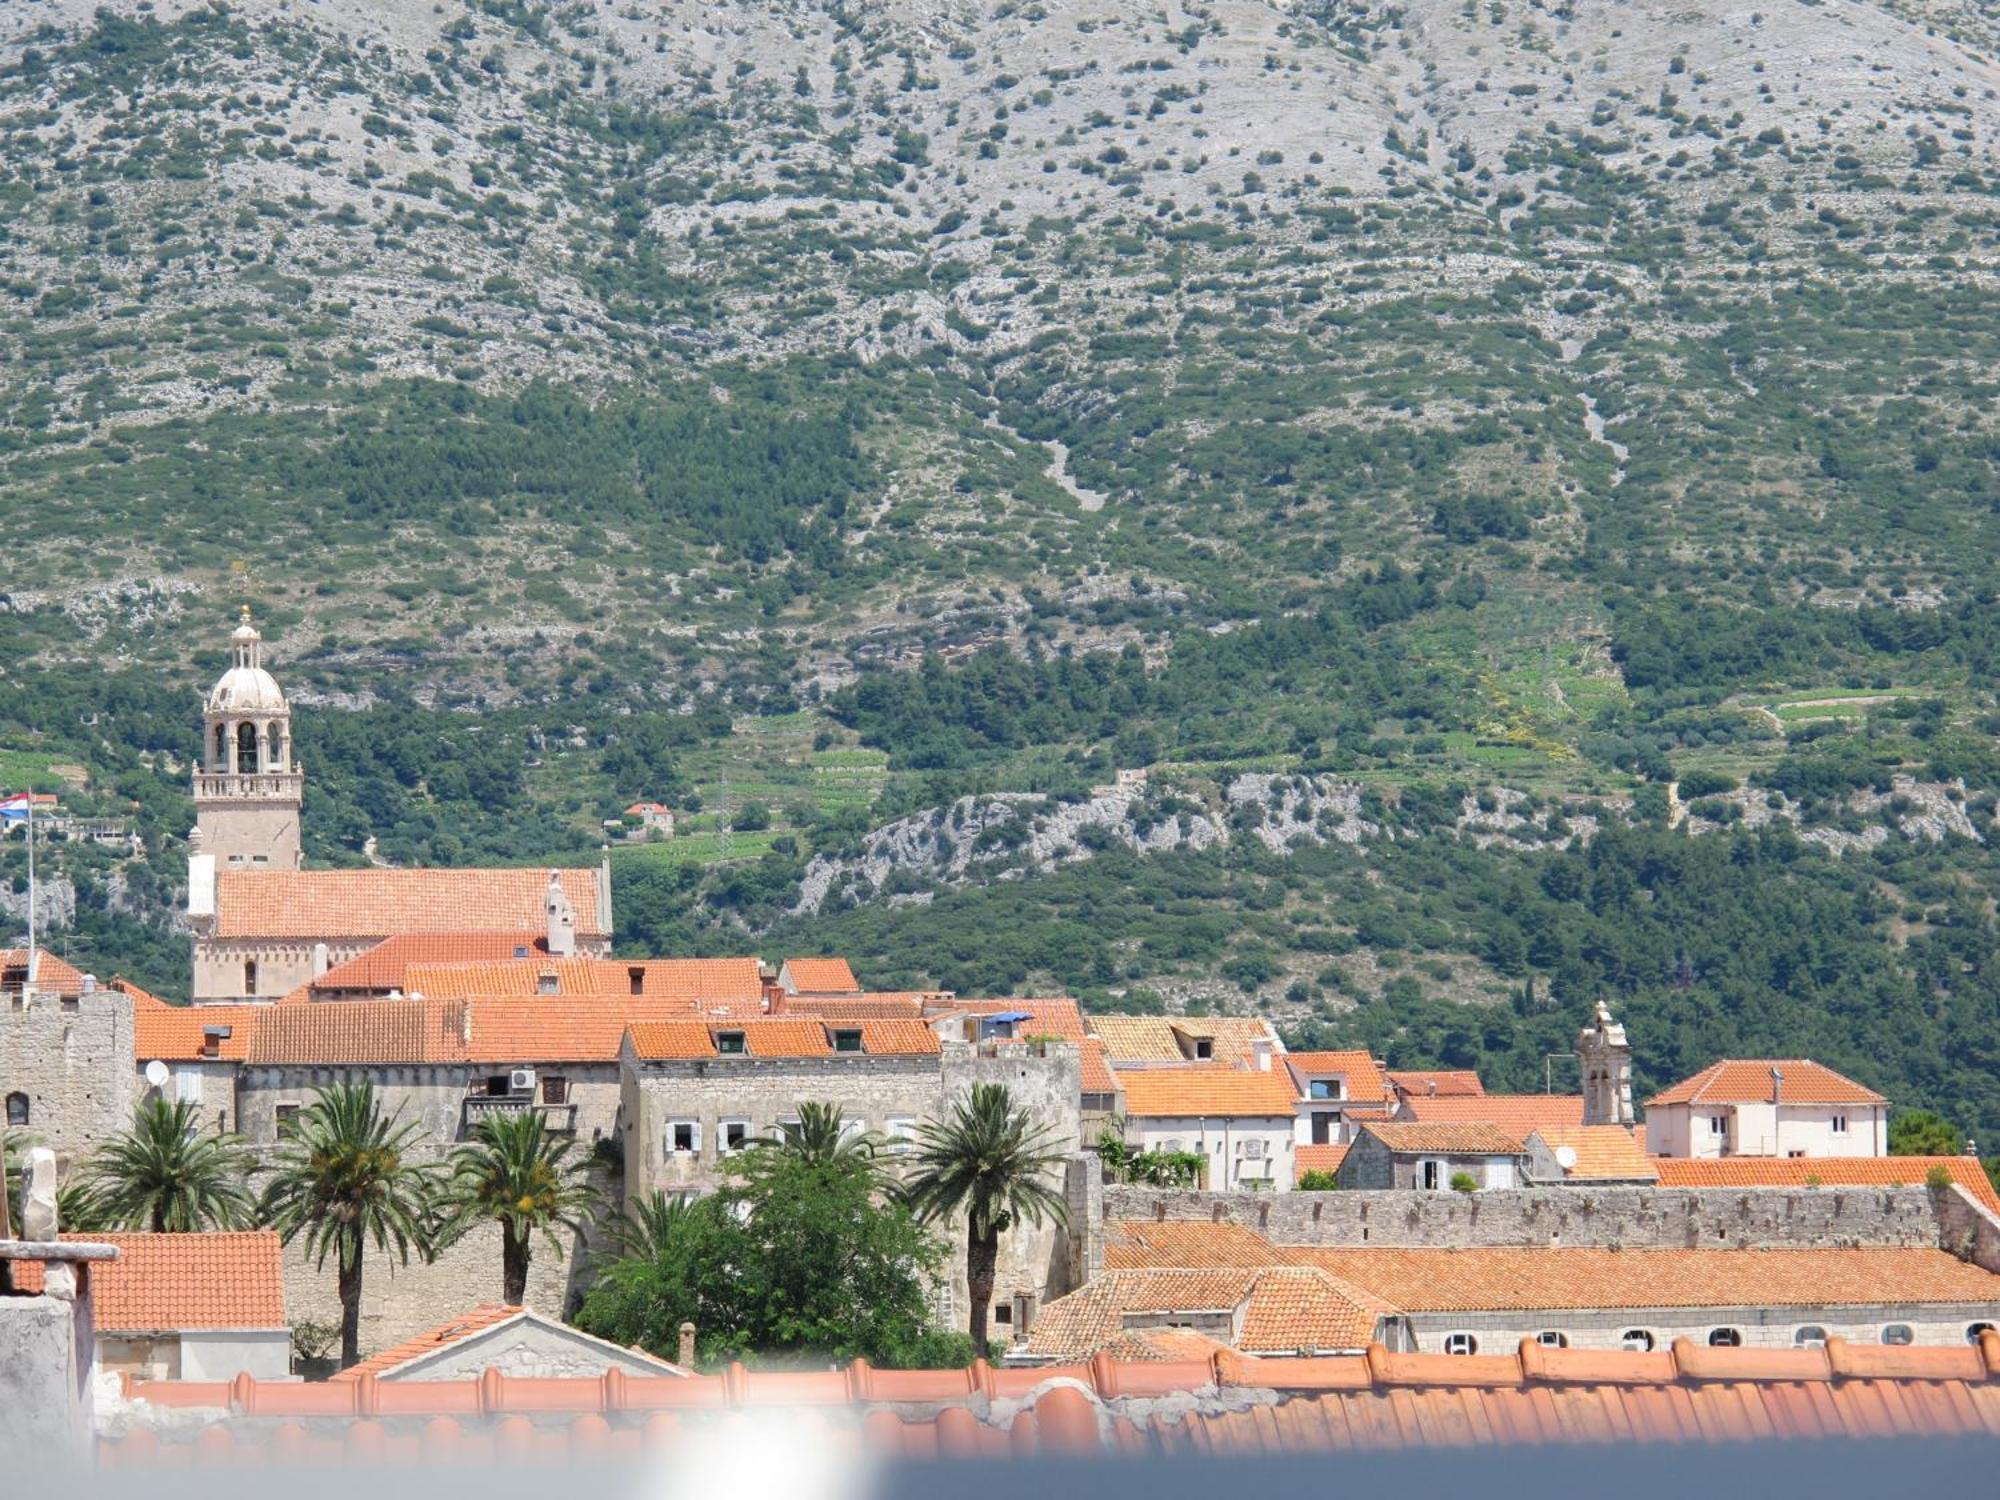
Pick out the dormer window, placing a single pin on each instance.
(636, 978)
(1326, 1088)
(730, 1043)
(547, 983)
(212, 1038)
(847, 1039)
(1204, 1048)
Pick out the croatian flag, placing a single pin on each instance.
(14, 809)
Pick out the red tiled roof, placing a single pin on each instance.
(1748, 1081)
(1096, 1074)
(668, 1041)
(175, 1033)
(821, 976)
(718, 980)
(1283, 1309)
(1139, 1244)
(1365, 1082)
(1435, 1084)
(1154, 1039)
(384, 966)
(1225, 1404)
(1452, 1137)
(1317, 1159)
(54, 975)
(360, 1032)
(500, 1029)
(908, 1007)
(1603, 1152)
(1826, 1171)
(1517, 1114)
(167, 1283)
(1052, 1016)
(430, 1340)
(308, 904)
(1195, 1092)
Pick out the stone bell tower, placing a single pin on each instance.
(247, 791)
(1605, 1058)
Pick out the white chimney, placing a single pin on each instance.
(1777, 1086)
(562, 921)
(320, 961)
(1260, 1049)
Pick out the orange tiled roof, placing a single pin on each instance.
(1436, 1084)
(167, 1283)
(1460, 1137)
(1141, 1039)
(1317, 1159)
(1139, 1244)
(1191, 1092)
(384, 967)
(909, 1007)
(174, 1033)
(668, 1041)
(443, 1336)
(499, 1029)
(822, 976)
(1748, 1081)
(1223, 1404)
(1051, 1016)
(1603, 1152)
(1365, 1080)
(1096, 1075)
(719, 980)
(1284, 1309)
(360, 1032)
(54, 975)
(308, 904)
(1517, 1114)
(1825, 1171)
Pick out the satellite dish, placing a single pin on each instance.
(156, 1073)
(1566, 1158)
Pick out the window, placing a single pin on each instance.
(1725, 1338)
(17, 1108)
(729, 1043)
(1326, 1127)
(249, 976)
(683, 1137)
(187, 1085)
(1003, 1312)
(847, 1039)
(1718, 1124)
(555, 1089)
(221, 748)
(902, 1132)
(1430, 1175)
(246, 749)
(1637, 1340)
(1973, 1330)
(1840, 1124)
(286, 1115)
(1204, 1048)
(1898, 1333)
(499, 1086)
(1499, 1172)
(735, 1135)
(1325, 1088)
(548, 982)
(1550, 1338)
(636, 978)
(1810, 1336)
(1460, 1343)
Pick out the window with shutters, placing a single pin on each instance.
(187, 1085)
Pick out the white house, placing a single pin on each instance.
(1241, 1122)
(1767, 1107)
(1336, 1091)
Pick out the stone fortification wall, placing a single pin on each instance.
(1968, 1229)
(73, 1059)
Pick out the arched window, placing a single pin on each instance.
(1638, 1340)
(1898, 1333)
(271, 747)
(221, 759)
(1810, 1336)
(17, 1109)
(246, 748)
(1550, 1338)
(1725, 1338)
(1460, 1343)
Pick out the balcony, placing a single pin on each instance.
(557, 1117)
(249, 785)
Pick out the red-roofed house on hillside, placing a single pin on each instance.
(1241, 1124)
(1335, 1090)
(1767, 1107)
(817, 976)
(186, 1306)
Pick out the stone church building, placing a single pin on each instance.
(264, 925)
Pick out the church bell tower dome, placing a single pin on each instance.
(247, 789)
(246, 688)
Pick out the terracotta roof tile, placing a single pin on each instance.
(360, 1032)
(718, 980)
(1318, 1159)
(1365, 1079)
(176, 1033)
(54, 975)
(1517, 1114)
(1437, 1084)
(821, 976)
(1826, 1171)
(1097, 1077)
(1190, 1092)
(431, 1339)
(308, 904)
(1054, 1016)
(666, 1041)
(1284, 1309)
(1748, 1081)
(1138, 1039)
(1460, 1137)
(1603, 1152)
(851, 1007)
(163, 1283)
(384, 966)
(1139, 1244)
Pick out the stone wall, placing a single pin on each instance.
(73, 1059)
(433, 1096)
(1967, 1228)
(1932, 1325)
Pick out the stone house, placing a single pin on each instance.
(66, 1049)
(1242, 1124)
(192, 1054)
(1767, 1107)
(1403, 1154)
(655, 819)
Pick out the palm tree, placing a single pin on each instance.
(517, 1171)
(821, 1134)
(651, 1226)
(992, 1162)
(165, 1175)
(345, 1178)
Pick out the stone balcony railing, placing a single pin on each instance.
(479, 1107)
(246, 784)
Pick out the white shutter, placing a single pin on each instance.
(187, 1085)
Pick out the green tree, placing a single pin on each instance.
(1318, 1182)
(993, 1163)
(344, 1180)
(516, 1172)
(1919, 1132)
(166, 1175)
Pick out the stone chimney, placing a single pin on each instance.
(562, 921)
(686, 1361)
(1605, 1059)
(1777, 1085)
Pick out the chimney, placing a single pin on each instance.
(321, 961)
(562, 921)
(1777, 1085)
(1026, 1305)
(90, 984)
(1431, 1086)
(1260, 1049)
(686, 1361)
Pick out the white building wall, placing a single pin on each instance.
(1249, 1152)
(1683, 1130)
(224, 1354)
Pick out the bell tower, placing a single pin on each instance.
(247, 790)
(1605, 1058)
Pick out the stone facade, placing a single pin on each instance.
(1371, 1165)
(531, 1345)
(70, 1060)
(445, 1099)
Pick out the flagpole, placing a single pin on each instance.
(31, 885)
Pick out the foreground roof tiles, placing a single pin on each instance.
(1463, 1137)
(1517, 1114)
(308, 904)
(1172, 1093)
(1224, 1404)
(1749, 1081)
(171, 1283)
(1826, 1171)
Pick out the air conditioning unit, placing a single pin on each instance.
(521, 1081)
(1253, 1149)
